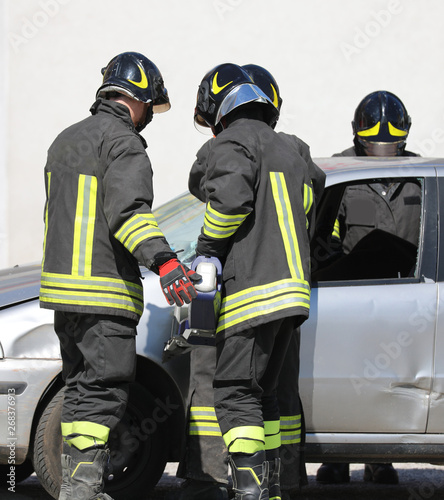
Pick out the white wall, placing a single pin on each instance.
(326, 56)
(4, 241)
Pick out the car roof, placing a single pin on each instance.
(19, 284)
(346, 168)
(347, 163)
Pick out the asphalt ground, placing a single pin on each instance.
(416, 482)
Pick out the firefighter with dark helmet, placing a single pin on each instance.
(253, 182)
(98, 227)
(381, 125)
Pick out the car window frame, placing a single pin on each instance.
(428, 240)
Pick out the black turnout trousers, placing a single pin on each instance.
(99, 362)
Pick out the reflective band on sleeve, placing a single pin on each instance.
(138, 228)
(286, 224)
(218, 225)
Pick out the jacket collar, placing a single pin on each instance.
(117, 110)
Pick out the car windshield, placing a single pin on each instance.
(180, 220)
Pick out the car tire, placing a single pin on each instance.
(139, 447)
(22, 472)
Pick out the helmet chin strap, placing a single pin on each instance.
(148, 117)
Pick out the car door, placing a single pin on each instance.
(436, 416)
(367, 348)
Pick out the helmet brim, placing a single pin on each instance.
(243, 94)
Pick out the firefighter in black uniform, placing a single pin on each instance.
(259, 205)
(98, 227)
(204, 464)
(381, 125)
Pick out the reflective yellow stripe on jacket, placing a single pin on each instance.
(138, 228)
(84, 225)
(283, 294)
(308, 201)
(80, 287)
(218, 225)
(91, 291)
(48, 175)
(286, 224)
(262, 300)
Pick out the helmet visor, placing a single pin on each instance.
(201, 125)
(382, 148)
(240, 95)
(162, 102)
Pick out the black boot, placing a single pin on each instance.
(274, 485)
(193, 489)
(274, 473)
(82, 473)
(332, 473)
(381, 473)
(250, 476)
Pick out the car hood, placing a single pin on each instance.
(19, 284)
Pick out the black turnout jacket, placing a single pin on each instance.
(259, 189)
(98, 220)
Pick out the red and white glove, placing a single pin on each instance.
(176, 282)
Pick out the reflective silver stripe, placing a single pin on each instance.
(289, 422)
(287, 438)
(263, 300)
(68, 281)
(263, 292)
(93, 292)
(286, 224)
(290, 429)
(84, 223)
(137, 229)
(266, 307)
(219, 225)
(202, 411)
(93, 300)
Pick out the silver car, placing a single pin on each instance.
(372, 354)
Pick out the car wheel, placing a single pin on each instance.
(22, 472)
(139, 448)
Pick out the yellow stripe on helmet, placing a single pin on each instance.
(396, 131)
(371, 131)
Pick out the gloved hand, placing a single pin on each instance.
(175, 282)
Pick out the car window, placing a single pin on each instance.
(369, 230)
(180, 221)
